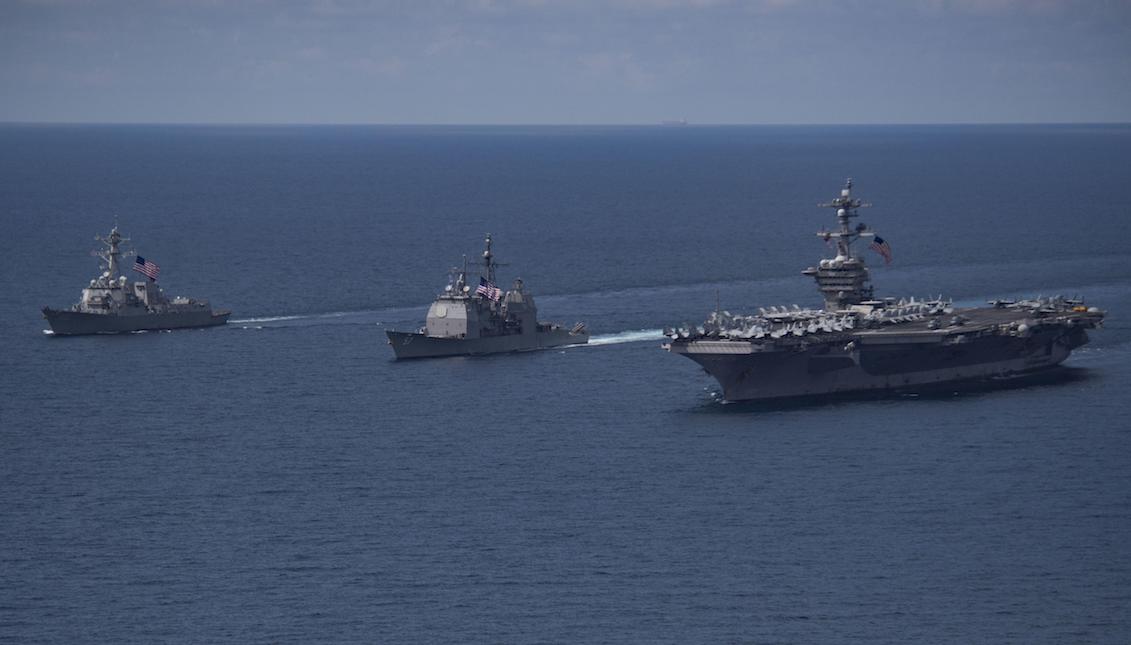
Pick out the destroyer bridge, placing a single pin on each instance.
(859, 343)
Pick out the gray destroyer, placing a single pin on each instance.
(470, 319)
(110, 304)
(859, 343)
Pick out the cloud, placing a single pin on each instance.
(391, 66)
(994, 6)
(621, 67)
(454, 40)
(55, 3)
(98, 77)
(498, 6)
(311, 54)
(672, 4)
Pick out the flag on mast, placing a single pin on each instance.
(881, 246)
(488, 290)
(149, 269)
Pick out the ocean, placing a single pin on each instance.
(283, 480)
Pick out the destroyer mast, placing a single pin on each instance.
(111, 253)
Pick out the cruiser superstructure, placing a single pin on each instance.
(468, 319)
(110, 304)
(860, 343)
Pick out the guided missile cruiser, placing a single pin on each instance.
(478, 318)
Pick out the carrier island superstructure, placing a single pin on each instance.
(859, 343)
(470, 319)
(110, 304)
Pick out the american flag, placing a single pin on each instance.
(141, 265)
(488, 290)
(881, 246)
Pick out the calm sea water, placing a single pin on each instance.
(282, 480)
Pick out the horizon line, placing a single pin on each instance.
(658, 124)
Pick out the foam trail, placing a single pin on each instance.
(635, 336)
(267, 319)
(304, 320)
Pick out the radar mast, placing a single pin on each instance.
(489, 263)
(846, 206)
(111, 254)
(843, 280)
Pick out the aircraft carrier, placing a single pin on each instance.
(468, 319)
(858, 343)
(111, 305)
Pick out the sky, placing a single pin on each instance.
(565, 62)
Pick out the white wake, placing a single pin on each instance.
(636, 336)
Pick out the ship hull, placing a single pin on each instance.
(415, 345)
(747, 374)
(78, 323)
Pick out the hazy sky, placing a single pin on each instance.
(569, 62)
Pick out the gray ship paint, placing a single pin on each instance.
(110, 304)
(857, 343)
(466, 321)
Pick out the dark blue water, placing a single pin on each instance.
(282, 480)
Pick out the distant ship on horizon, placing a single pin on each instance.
(675, 122)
